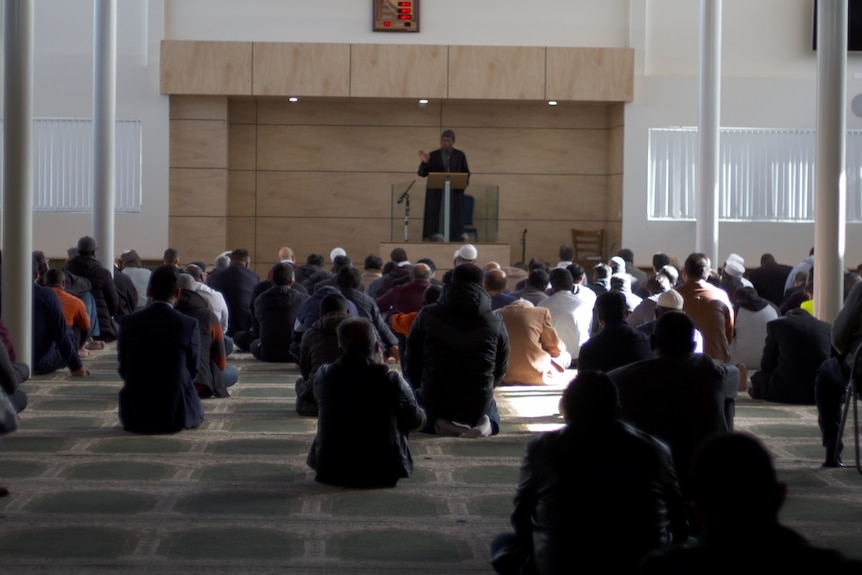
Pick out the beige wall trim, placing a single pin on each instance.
(397, 71)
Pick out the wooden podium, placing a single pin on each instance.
(447, 181)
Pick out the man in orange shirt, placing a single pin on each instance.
(73, 308)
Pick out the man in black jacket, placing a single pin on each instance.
(444, 159)
(458, 352)
(102, 286)
(275, 312)
(594, 496)
(236, 283)
(365, 414)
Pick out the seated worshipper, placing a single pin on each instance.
(457, 353)
(537, 355)
(402, 322)
(102, 286)
(736, 498)
(395, 274)
(796, 345)
(645, 310)
(171, 257)
(571, 306)
(275, 312)
(319, 345)
(669, 301)
(639, 277)
(373, 270)
(618, 343)
(769, 279)
(731, 277)
(214, 374)
(798, 293)
(140, 276)
(622, 284)
(309, 312)
(348, 284)
(495, 285)
(77, 320)
(215, 300)
(601, 279)
(678, 396)
(339, 262)
(406, 297)
(126, 292)
(752, 314)
(53, 346)
(12, 375)
(567, 256)
(236, 283)
(158, 353)
(708, 306)
(366, 411)
(594, 496)
(535, 290)
(313, 264)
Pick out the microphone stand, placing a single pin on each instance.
(405, 197)
(524, 246)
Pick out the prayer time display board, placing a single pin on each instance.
(396, 15)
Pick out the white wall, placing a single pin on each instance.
(63, 88)
(769, 80)
(769, 75)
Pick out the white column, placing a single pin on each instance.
(830, 204)
(104, 118)
(709, 121)
(18, 175)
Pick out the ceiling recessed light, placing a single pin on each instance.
(423, 101)
(552, 102)
(293, 99)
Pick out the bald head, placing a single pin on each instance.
(421, 272)
(491, 266)
(286, 254)
(495, 281)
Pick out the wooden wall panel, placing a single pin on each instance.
(197, 238)
(242, 193)
(198, 144)
(296, 69)
(198, 108)
(242, 147)
(353, 113)
(615, 150)
(341, 148)
(398, 71)
(535, 151)
(591, 74)
(497, 72)
(198, 192)
(524, 115)
(550, 197)
(240, 233)
(206, 68)
(242, 110)
(329, 194)
(615, 199)
(616, 115)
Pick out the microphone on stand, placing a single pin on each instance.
(404, 195)
(524, 246)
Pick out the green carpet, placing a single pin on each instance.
(235, 496)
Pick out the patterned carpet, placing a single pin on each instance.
(236, 496)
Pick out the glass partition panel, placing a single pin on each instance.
(408, 207)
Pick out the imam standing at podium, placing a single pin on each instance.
(446, 159)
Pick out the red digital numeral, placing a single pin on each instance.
(404, 3)
(404, 10)
(387, 24)
(404, 17)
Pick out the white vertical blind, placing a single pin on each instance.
(63, 165)
(764, 175)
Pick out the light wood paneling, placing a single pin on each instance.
(198, 108)
(197, 238)
(616, 115)
(283, 69)
(341, 148)
(615, 150)
(359, 237)
(242, 192)
(242, 110)
(535, 151)
(524, 115)
(615, 198)
(497, 72)
(240, 234)
(398, 71)
(591, 74)
(243, 147)
(317, 113)
(315, 194)
(548, 197)
(206, 68)
(197, 192)
(198, 144)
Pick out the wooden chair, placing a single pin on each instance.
(853, 397)
(589, 247)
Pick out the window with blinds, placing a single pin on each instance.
(63, 165)
(764, 175)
